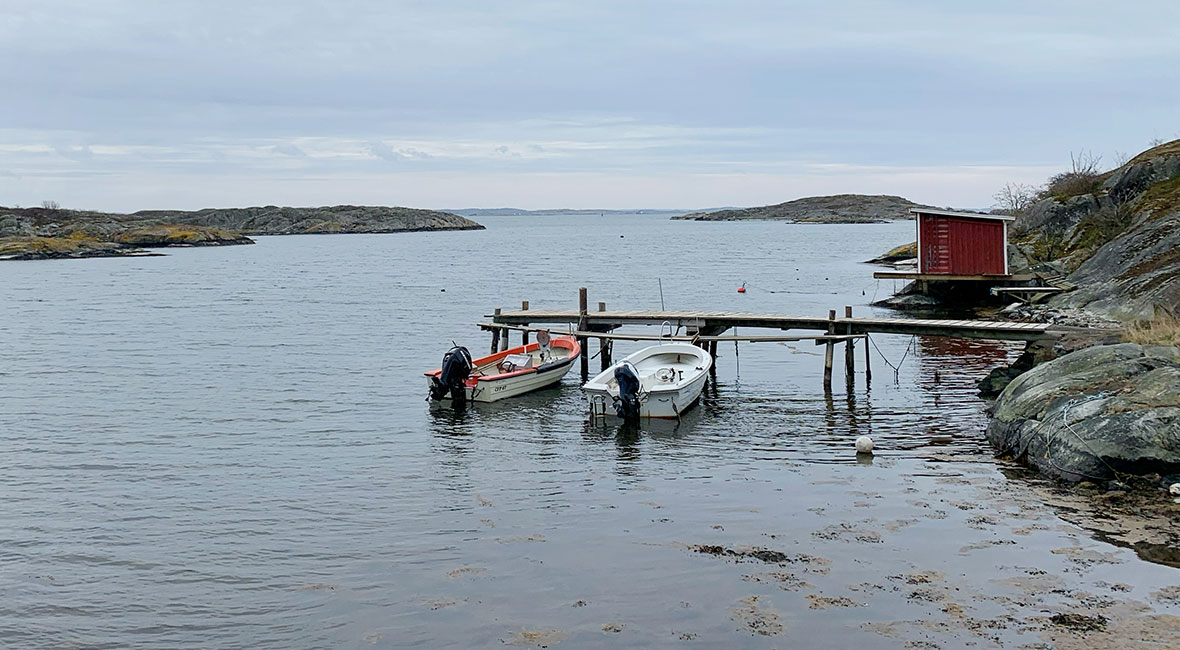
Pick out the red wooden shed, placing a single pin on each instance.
(961, 243)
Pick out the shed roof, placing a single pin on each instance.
(962, 215)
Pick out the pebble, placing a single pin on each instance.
(1174, 490)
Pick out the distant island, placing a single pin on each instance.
(51, 232)
(513, 212)
(841, 208)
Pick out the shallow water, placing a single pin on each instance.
(229, 447)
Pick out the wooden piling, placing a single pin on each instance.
(583, 341)
(713, 366)
(524, 336)
(496, 336)
(605, 346)
(868, 364)
(849, 352)
(828, 352)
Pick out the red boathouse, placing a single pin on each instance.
(961, 243)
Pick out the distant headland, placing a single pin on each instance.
(50, 232)
(840, 208)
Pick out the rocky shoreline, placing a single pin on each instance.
(1099, 404)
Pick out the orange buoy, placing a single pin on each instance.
(742, 289)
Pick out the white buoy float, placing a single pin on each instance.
(864, 445)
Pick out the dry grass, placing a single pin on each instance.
(172, 234)
(20, 245)
(1163, 330)
(1165, 149)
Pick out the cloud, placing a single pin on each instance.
(75, 153)
(610, 89)
(384, 152)
(288, 150)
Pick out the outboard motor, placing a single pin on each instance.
(456, 368)
(627, 406)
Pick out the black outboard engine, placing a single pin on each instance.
(627, 406)
(456, 368)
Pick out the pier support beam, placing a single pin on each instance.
(868, 362)
(524, 336)
(604, 346)
(849, 353)
(583, 341)
(496, 336)
(829, 352)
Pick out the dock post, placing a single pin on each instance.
(524, 336)
(583, 341)
(868, 364)
(604, 346)
(849, 351)
(496, 336)
(828, 351)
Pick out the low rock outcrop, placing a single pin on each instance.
(897, 254)
(1094, 413)
(52, 248)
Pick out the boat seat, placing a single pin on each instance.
(514, 362)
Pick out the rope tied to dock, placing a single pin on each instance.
(897, 368)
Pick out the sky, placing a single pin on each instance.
(156, 104)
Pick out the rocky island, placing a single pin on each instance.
(49, 232)
(841, 208)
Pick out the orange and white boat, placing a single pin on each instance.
(504, 374)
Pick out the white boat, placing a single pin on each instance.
(504, 374)
(661, 381)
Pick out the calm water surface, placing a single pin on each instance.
(229, 447)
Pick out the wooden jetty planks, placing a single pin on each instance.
(713, 320)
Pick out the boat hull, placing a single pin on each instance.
(659, 399)
(489, 386)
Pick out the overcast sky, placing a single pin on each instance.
(133, 104)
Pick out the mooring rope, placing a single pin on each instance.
(897, 368)
(863, 290)
(1065, 420)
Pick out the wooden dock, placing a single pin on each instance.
(705, 328)
(712, 323)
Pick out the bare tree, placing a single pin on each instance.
(1121, 158)
(1085, 162)
(1014, 198)
(1082, 178)
(51, 205)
